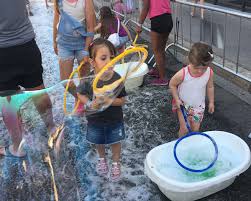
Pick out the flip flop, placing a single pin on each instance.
(7, 153)
(55, 135)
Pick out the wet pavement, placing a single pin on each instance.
(149, 122)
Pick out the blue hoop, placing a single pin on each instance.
(184, 113)
(189, 135)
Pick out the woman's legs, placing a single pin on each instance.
(66, 67)
(201, 10)
(12, 120)
(158, 44)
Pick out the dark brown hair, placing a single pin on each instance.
(107, 20)
(201, 54)
(100, 42)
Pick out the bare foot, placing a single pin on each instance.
(12, 152)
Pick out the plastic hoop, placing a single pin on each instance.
(115, 84)
(189, 135)
(183, 110)
(67, 88)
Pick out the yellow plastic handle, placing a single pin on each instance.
(115, 84)
(77, 70)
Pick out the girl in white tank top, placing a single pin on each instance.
(190, 85)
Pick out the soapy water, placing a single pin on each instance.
(169, 168)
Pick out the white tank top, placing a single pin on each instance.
(75, 8)
(192, 91)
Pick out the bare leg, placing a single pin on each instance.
(202, 10)
(195, 126)
(183, 129)
(158, 44)
(101, 150)
(116, 150)
(193, 8)
(46, 4)
(13, 124)
(66, 67)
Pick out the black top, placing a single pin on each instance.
(112, 114)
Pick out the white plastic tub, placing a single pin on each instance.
(136, 78)
(177, 189)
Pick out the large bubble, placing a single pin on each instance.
(43, 134)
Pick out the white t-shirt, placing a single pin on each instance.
(75, 8)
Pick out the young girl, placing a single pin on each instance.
(190, 84)
(105, 127)
(108, 25)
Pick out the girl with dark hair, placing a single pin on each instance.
(109, 25)
(104, 127)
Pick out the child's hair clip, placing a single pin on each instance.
(211, 54)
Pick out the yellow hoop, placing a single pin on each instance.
(67, 87)
(115, 84)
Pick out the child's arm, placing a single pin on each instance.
(127, 31)
(97, 28)
(88, 103)
(173, 85)
(118, 101)
(83, 98)
(210, 93)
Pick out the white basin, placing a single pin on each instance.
(135, 79)
(232, 150)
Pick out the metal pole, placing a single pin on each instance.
(238, 51)
(225, 39)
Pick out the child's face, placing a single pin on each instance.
(103, 57)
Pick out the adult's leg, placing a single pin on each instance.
(13, 123)
(66, 67)
(44, 107)
(202, 10)
(158, 44)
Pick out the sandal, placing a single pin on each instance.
(116, 171)
(6, 153)
(54, 135)
(102, 167)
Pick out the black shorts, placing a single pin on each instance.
(162, 23)
(20, 65)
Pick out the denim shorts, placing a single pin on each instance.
(67, 54)
(105, 133)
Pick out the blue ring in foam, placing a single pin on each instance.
(189, 135)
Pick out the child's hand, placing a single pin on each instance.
(211, 108)
(178, 103)
(96, 104)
